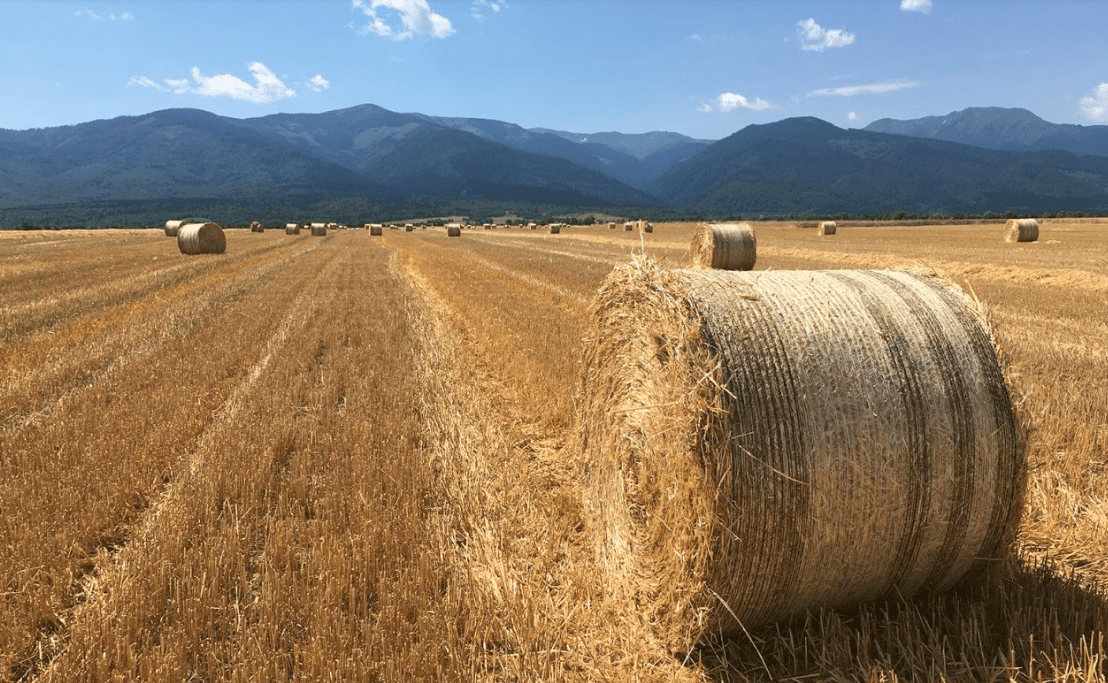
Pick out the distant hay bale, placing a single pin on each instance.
(319, 229)
(375, 231)
(453, 230)
(533, 226)
(1021, 230)
(292, 228)
(171, 228)
(555, 228)
(786, 441)
(201, 238)
(646, 226)
(826, 228)
(409, 228)
(255, 226)
(726, 246)
(628, 226)
(611, 226)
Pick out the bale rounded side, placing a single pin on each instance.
(453, 230)
(292, 228)
(201, 238)
(784, 442)
(555, 228)
(826, 228)
(319, 229)
(255, 226)
(171, 228)
(726, 246)
(375, 230)
(1021, 230)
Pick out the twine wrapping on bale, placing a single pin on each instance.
(201, 238)
(1021, 230)
(171, 228)
(757, 445)
(319, 229)
(292, 228)
(453, 230)
(826, 228)
(727, 246)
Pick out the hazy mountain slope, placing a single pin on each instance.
(999, 128)
(808, 166)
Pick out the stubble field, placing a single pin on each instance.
(351, 458)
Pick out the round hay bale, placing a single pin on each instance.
(375, 231)
(453, 230)
(319, 229)
(646, 226)
(201, 238)
(611, 226)
(171, 228)
(727, 246)
(255, 226)
(628, 226)
(555, 228)
(292, 228)
(757, 445)
(409, 228)
(1021, 230)
(826, 228)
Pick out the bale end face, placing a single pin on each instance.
(827, 228)
(724, 246)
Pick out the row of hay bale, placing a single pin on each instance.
(1015, 230)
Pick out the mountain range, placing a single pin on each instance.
(973, 161)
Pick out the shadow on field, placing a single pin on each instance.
(1028, 622)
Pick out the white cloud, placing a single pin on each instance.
(696, 38)
(89, 14)
(730, 101)
(815, 37)
(1095, 106)
(868, 89)
(266, 88)
(479, 8)
(923, 6)
(851, 117)
(319, 83)
(416, 18)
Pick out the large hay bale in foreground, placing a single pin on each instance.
(727, 246)
(319, 229)
(826, 228)
(171, 228)
(1021, 230)
(201, 238)
(292, 228)
(453, 230)
(782, 442)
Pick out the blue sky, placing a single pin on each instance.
(704, 68)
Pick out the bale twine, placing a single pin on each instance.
(453, 230)
(555, 228)
(782, 442)
(826, 228)
(727, 246)
(319, 229)
(375, 231)
(201, 238)
(1021, 230)
(255, 226)
(171, 228)
(292, 228)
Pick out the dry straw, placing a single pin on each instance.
(759, 445)
(319, 229)
(201, 238)
(1021, 230)
(826, 228)
(727, 246)
(292, 228)
(453, 230)
(171, 228)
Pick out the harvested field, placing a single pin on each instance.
(355, 458)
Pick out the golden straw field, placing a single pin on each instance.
(352, 458)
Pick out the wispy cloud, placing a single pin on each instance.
(815, 37)
(318, 83)
(481, 8)
(867, 89)
(416, 19)
(923, 6)
(1095, 106)
(696, 38)
(266, 87)
(730, 101)
(89, 14)
(852, 117)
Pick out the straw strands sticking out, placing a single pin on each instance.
(728, 246)
(1021, 230)
(826, 228)
(201, 238)
(171, 228)
(292, 228)
(760, 444)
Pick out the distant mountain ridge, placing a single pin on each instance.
(1016, 130)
